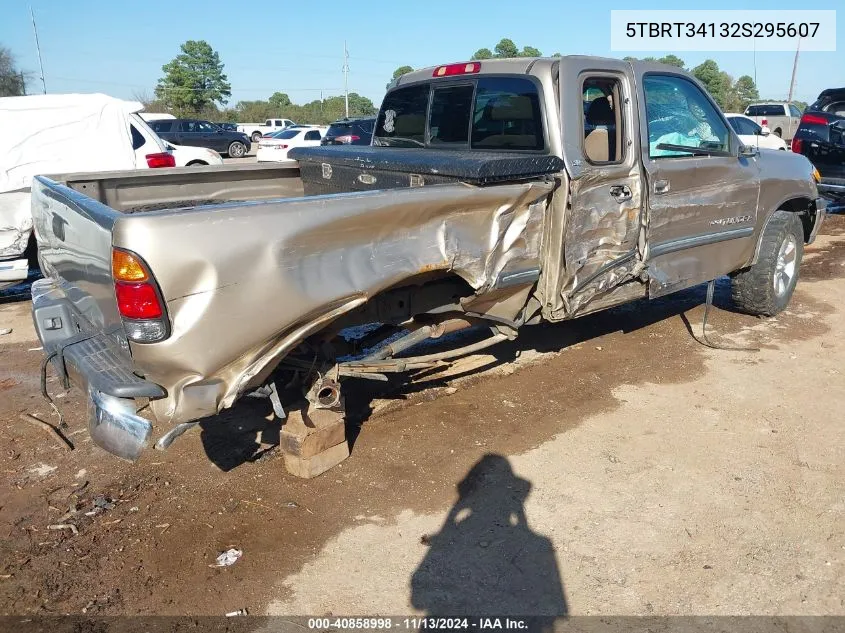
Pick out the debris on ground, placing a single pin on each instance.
(64, 526)
(450, 390)
(229, 557)
(232, 614)
(291, 504)
(53, 431)
(102, 503)
(5, 331)
(41, 470)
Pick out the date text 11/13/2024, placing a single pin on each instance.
(419, 623)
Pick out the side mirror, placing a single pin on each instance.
(747, 151)
(765, 131)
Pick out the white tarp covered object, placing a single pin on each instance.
(53, 134)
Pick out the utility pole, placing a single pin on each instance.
(38, 50)
(346, 76)
(794, 69)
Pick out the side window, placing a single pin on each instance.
(188, 126)
(161, 126)
(401, 122)
(794, 110)
(507, 115)
(137, 138)
(681, 118)
(313, 135)
(837, 108)
(204, 126)
(602, 117)
(744, 126)
(449, 118)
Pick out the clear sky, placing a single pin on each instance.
(119, 46)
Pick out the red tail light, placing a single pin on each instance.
(469, 68)
(796, 145)
(162, 159)
(814, 119)
(137, 301)
(765, 122)
(347, 139)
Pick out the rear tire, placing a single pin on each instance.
(256, 136)
(237, 150)
(196, 163)
(765, 288)
(779, 133)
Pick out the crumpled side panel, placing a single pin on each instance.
(600, 234)
(243, 283)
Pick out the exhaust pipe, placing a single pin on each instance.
(115, 427)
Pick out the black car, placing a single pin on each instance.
(229, 127)
(199, 133)
(357, 131)
(821, 138)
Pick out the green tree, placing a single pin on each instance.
(402, 70)
(718, 83)
(530, 51)
(279, 100)
(12, 80)
(556, 55)
(482, 53)
(672, 60)
(745, 91)
(194, 79)
(506, 48)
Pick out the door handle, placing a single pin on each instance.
(620, 193)
(661, 186)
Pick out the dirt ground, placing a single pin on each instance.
(614, 466)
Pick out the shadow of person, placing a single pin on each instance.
(486, 560)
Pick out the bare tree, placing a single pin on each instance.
(12, 79)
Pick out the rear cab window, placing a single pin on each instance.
(481, 113)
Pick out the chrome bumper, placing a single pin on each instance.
(92, 360)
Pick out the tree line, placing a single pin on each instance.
(731, 95)
(194, 84)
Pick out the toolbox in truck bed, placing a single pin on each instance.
(336, 169)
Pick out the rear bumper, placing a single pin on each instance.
(832, 188)
(93, 361)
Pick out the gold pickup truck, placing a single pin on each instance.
(496, 195)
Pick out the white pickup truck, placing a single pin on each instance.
(256, 130)
(781, 117)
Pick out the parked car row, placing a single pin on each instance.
(199, 133)
(821, 138)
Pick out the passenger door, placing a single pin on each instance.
(602, 227)
(187, 133)
(211, 136)
(702, 196)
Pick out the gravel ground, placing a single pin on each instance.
(611, 465)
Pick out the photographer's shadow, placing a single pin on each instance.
(486, 560)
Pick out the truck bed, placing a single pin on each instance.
(247, 266)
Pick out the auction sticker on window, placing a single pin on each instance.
(747, 30)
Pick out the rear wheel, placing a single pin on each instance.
(196, 163)
(237, 149)
(766, 287)
(256, 136)
(779, 133)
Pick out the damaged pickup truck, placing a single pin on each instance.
(498, 194)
